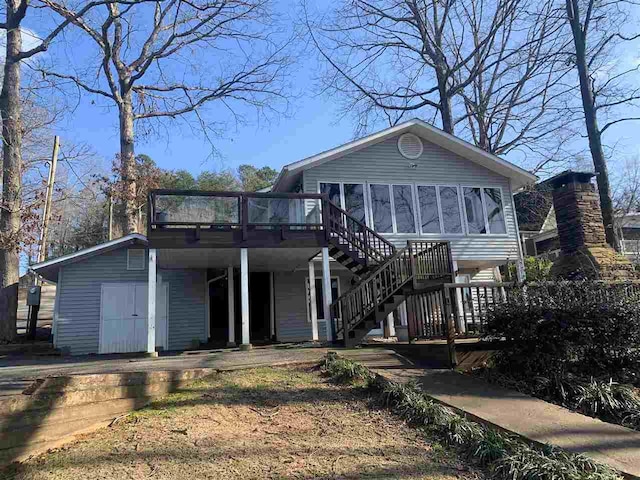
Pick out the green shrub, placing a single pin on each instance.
(505, 456)
(554, 329)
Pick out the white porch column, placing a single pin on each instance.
(403, 314)
(391, 329)
(326, 290)
(151, 303)
(244, 292)
(231, 301)
(313, 310)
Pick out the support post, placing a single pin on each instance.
(326, 290)
(151, 303)
(244, 292)
(403, 313)
(231, 308)
(313, 310)
(451, 329)
(390, 329)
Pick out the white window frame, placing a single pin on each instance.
(461, 212)
(308, 286)
(394, 223)
(484, 211)
(144, 260)
(343, 202)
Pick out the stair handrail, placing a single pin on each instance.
(378, 251)
(367, 294)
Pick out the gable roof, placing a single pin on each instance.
(519, 177)
(49, 268)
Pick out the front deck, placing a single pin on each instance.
(198, 219)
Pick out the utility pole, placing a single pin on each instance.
(48, 199)
(34, 305)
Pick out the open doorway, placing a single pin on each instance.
(259, 308)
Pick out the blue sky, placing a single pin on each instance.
(313, 125)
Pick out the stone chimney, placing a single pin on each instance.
(584, 250)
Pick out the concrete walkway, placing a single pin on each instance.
(526, 416)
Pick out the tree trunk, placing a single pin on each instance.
(11, 174)
(591, 122)
(128, 165)
(445, 103)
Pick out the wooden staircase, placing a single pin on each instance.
(385, 274)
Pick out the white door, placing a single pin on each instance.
(123, 326)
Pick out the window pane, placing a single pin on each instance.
(333, 190)
(381, 208)
(473, 207)
(429, 209)
(493, 200)
(354, 200)
(403, 202)
(450, 210)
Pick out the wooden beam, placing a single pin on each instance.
(231, 308)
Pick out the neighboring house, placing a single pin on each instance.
(538, 229)
(229, 267)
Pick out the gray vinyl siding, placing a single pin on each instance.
(382, 163)
(78, 322)
(291, 304)
(78, 311)
(187, 307)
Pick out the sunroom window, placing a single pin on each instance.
(450, 205)
(392, 208)
(429, 212)
(484, 210)
(348, 196)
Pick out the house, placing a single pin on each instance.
(374, 221)
(539, 232)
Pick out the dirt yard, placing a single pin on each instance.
(263, 423)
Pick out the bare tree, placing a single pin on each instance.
(608, 87)
(517, 99)
(192, 53)
(11, 103)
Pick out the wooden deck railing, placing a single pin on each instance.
(427, 260)
(351, 308)
(430, 260)
(370, 246)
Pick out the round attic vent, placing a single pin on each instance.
(410, 146)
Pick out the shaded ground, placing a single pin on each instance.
(261, 423)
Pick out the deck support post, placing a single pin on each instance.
(231, 309)
(326, 290)
(402, 311)
(313, 310)
(389, 329)
(151, 303)
(244, 292)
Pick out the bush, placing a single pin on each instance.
(503, 455)
(584, 328)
